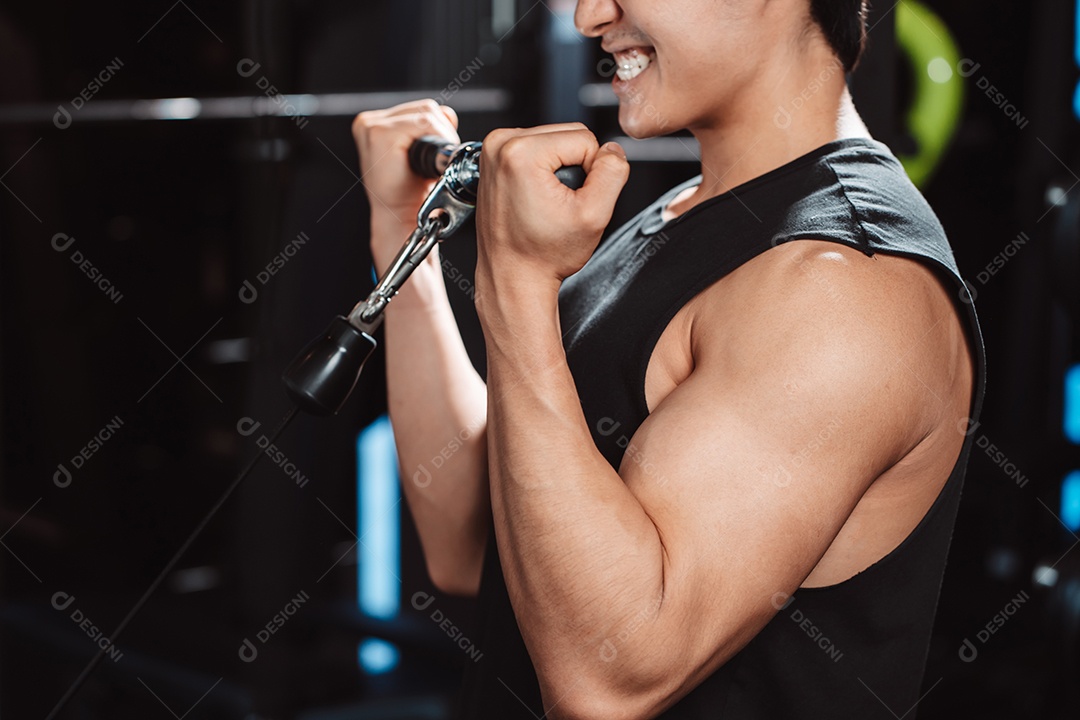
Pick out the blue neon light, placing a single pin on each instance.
(379, 549)
(1070, 501)
(1076, 54)
(1072, 404)
(377, 656)
(1076, 35)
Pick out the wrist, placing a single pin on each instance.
(515, 279)
(515, 295)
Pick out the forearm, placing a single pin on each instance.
(437, 404)
(582, 560)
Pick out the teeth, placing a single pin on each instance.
(631, 63)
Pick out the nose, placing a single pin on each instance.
(593, 17)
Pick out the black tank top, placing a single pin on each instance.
(856, 649)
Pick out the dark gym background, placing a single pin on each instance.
(132, 350)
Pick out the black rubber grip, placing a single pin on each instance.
(424, 155)
(428, 156)
(572, 176)
(321, 378)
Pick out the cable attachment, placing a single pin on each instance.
(367, 315)
(323, 375)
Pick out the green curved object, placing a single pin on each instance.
(934, 59)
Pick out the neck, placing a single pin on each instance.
(779, 120)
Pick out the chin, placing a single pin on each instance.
(641, 128)
(641, 118)
(640, 131)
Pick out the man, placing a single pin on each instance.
(714, 467)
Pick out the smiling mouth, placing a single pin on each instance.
(632, 62)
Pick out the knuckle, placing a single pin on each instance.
(409, 107)
(589, 137)
(495, 140)
(422, 121)
(515, 149)
(495, 137)
(361, 122)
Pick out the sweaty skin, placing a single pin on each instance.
(807, 336)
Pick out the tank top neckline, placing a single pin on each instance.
(653, 221)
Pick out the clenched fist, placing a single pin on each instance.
(531, 227)
(383, 138)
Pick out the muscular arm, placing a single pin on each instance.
(631, 587)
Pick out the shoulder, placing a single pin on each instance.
(879, 329)
(825, 283)
(817, 270)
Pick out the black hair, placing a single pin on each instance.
(843, 22)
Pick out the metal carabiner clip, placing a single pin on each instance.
(367, 315)
(455, 192)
